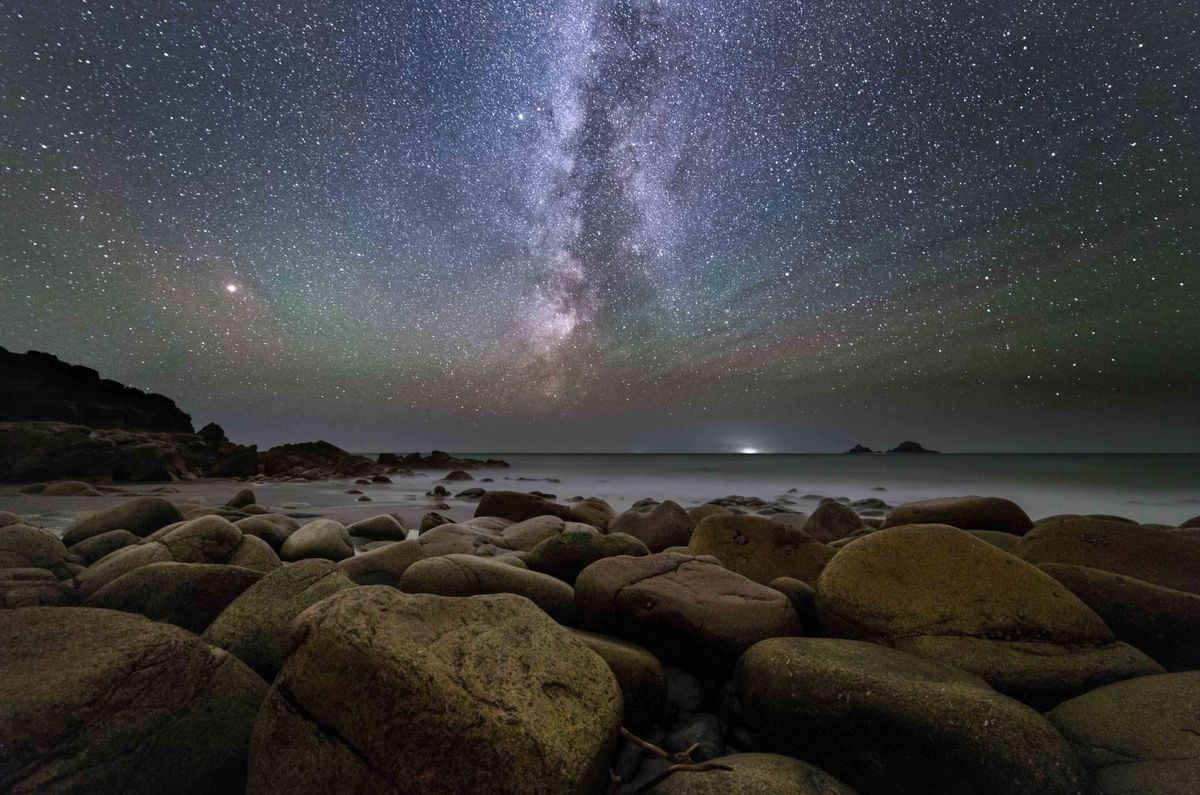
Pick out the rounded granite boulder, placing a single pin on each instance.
(384, 527)
(965, 513)
(92, 549)
(394, 692)
(383, 565)
(140, 516)
(658, 525)
(471, 575)
(684, 609)
(886, 721)
(759, 548)
(105, 701)
(320, 538)
(1140, 736)
(566, 554)
(942, 593)
(256, 626)
(1162, 622)
(188, 595)
(22, 546)
(1162, 557)
(832, 520)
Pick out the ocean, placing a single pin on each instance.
(1163, 488)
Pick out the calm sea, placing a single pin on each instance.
(1146, 487)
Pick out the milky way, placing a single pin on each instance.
(616, 224)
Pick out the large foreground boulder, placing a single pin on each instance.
(759, 548)
(1138, 737)
(140, 516)
(684, 609)
(941, 593)
(390, 692)
(889, 722)
(188, 595)
(103, 701)
(256, 626)
(965, 513)
(658, 526)
(1161, 557)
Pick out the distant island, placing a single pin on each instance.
(903, 447)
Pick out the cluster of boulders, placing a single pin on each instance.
(948, 646)
(438, 459)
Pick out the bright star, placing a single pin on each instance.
(231, 288)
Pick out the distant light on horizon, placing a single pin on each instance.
(748, 450)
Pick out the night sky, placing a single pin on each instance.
(616, 225)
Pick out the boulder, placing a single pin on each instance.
(104, 701)
(461, 539)
(30, 591)
(701, 512)
(638, 672)
(831, 521)
(256, 626)
(432, 520)
(69, 488)
(658, 526)
(1162, 622)
(759, 548)
(528, 534)
(92, 549)
(1005, 541)
(1140, 736)
(885, 721)
(140, 516)
(966, 513)
(594, 511)
(383, 566)
(254, 553)
(940, 592)
(1161, 557)
(568, 553)
(274, 528)
(384, 527)
(507, 700)
(803, 598)
(320, 538)
(469, 575)
(188, 595)
(684, 609)
(754, 774)
(519, 506)
(242, 499)
(209, 539)
(22, 546)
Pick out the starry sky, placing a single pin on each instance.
(616, 225)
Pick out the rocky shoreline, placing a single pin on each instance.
(737, 646)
